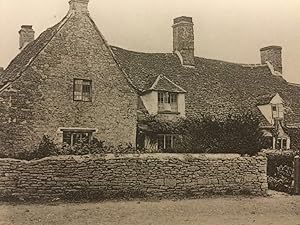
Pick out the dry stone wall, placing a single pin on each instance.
(147, 175)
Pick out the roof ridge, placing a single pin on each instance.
(251, 65)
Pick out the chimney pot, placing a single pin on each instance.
(183, 40)
(79, 5)
(273, 55)
(26, 36)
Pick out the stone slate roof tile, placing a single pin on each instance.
(213, 87)
(265, 99)
(24, 59)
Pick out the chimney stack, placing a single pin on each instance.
(26, 35)
(272, 55)
(79, 5)
(183, 40)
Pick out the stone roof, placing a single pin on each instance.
(265, 99)
(213, 87)
(25, 58)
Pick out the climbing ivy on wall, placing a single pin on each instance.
(234, 134)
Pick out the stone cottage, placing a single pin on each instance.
(70, 84)
(65, 84)
(180, 84)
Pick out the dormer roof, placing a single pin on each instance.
(162, 83)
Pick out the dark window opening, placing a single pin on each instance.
(82, 90)
(166, 141)
(77, 137)
(281, 143)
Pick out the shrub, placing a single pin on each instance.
(207, 134)
(93, 147)
(280, 170)
(46, 148)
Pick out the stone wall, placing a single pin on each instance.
(40, 102)
(148, 175)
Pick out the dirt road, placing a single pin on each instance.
(276, 210)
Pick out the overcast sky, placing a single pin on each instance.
(230, 30)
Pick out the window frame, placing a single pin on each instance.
(280, 142)
(167, 99)
(164, 138)
(73, 132)
(277, 111)
(84, 96)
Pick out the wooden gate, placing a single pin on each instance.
(297, 174)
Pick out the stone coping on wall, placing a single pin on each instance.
(160, 156)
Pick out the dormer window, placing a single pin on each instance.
(281, 143)
(277, 111)
(167, 102)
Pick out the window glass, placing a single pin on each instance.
(160, 97)
(82, 90)
(173, 98)
(161, 142)
(284, 143)
(169, 142)
(167, 101)
(166, 141)
(75, 137)
(67, 138)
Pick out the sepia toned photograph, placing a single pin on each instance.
(149, 112)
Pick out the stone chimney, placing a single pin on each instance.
(271, 55)
(79, 5)
(1, 70)
(26, 36)
(183, 40)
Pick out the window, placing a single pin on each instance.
(75, 137)
(167, 101)
(281, 143)
(166, 141)
(277, 111)
(82, 90)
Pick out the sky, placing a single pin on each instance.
(229, 30)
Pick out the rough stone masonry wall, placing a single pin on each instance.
(154, 176)
(40, 102)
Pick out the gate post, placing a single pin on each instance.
(297, 174)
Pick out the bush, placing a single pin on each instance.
(280, 171)
(46, 148)
(234, 134)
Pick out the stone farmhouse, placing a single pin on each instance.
(70, 84)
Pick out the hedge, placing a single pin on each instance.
(207, 134)
(280, 170)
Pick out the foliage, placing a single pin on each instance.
(280, 170)
(294, 134)
(234, 134)
(282, 179)
(48, 147)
